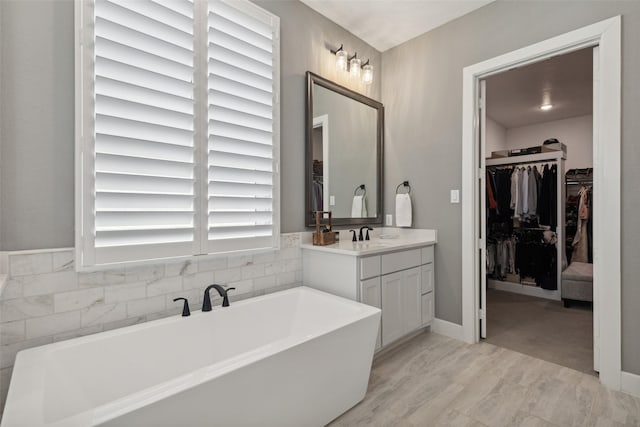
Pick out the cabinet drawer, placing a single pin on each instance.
(427, 254)
(427, 309)
(427, 278)
(400, 260)
(369, 267)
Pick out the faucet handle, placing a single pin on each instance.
(185, 308)
(354, 239)
(225, 298)
(368, 229)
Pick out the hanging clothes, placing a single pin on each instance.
(548, 202)
(581, 239)
(532, 192)
(524, 192)
(491, 200)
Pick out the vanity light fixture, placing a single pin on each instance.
(354, 66)
(341, 58)
(367, 73)
(545, 107)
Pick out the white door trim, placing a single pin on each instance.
(606, 159)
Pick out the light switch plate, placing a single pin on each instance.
(332, 200)
(389, 220)
(455, 196)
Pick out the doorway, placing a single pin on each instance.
(606, 183)
(538, 130)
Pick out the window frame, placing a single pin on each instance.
(84, 186)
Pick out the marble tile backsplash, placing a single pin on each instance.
(45, 300)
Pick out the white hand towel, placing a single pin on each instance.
(403, 210)
(356, 206)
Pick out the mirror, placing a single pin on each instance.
(344, 153)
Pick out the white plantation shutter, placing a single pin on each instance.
(151, 185)
(242, 81)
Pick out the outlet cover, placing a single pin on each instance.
(389, 221)
(332, 200)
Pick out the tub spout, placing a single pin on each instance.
(206, 304)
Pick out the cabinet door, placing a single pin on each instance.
(411, 304)
(392, 310)
(427, 309)
(370, 294)
(427, 278)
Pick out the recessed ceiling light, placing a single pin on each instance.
(546, 106)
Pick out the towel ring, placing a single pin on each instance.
(360, 187)
(404, 184)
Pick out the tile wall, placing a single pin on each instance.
(45, 300)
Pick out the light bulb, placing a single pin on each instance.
(546, 106)
(367, 74)
(341, 59)
(354, 67)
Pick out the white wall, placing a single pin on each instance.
(576, 133)
(496, 137)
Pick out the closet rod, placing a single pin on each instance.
(578, 182)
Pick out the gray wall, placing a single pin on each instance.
(37, 86)
(422, 92)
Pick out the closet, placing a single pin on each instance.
(525, 213)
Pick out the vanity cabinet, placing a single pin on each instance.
(398, 281)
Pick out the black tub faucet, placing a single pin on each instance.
(360, 237)
(185, 307)
(206, 304)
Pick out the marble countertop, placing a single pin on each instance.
(385, 239)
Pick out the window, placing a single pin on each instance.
(177, 129)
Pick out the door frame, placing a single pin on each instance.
(606, 158)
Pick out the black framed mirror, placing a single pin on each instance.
(344, 154)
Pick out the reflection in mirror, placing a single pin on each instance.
(344, 153)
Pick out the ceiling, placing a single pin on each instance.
(514, 97)
(387, 23)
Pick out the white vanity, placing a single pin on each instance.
(393, 271)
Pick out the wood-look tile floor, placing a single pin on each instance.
(433, 380)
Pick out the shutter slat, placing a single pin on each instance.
(149, 79)
(238, 60)
(249, 203)
(239, 118)
(161, 29)
(120, 108)
(239, 219)
(135, 39)
(234, 131)
(243, 23)
(142, 95)
(143, 202)
(240, 161)
(231, 72)
(239, 189)
(179, 16)
(221, 84)
(237, 103)
(117, 126)
(230, 145)
(106, 238)
(227, 232)
(132, 220)
(119, 52)
(233, 43)
(121, 183)
(109, 144)
(225, 174)
(119, 164)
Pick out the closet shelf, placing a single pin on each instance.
(530, 158)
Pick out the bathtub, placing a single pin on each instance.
(299, 357)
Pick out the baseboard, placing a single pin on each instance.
(448, 329)
(630, 383)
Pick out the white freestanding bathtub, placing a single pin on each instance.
(299, 357)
